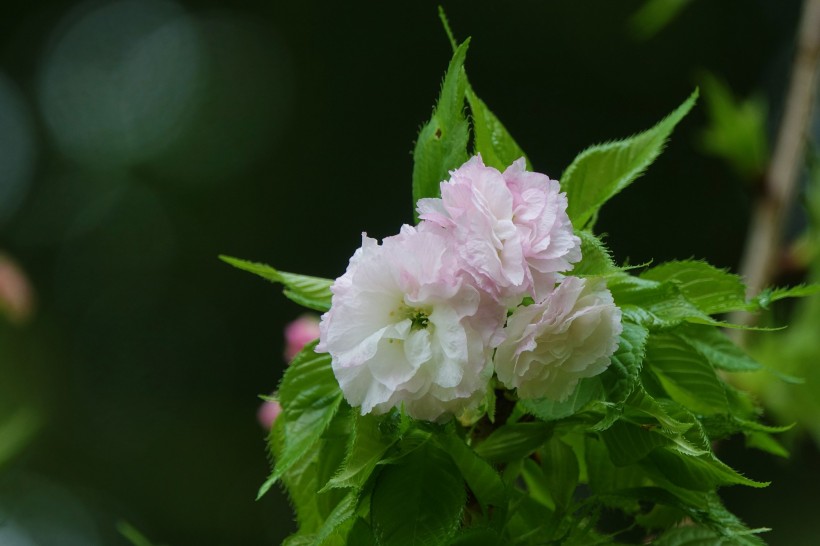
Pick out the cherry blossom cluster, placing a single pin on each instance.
(479, 287)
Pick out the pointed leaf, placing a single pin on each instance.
(596, 258)
(492, 140)
(442, 141)
(311, 292)
(310, 397)
(689, 378)
(600, 172)
(712, 290)
(717, 348)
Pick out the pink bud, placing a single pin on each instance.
(16, 294)
(299, 333)
(268, 412)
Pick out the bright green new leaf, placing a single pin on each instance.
(310, 397)
(712, 290)
(689, 378)
(596, 260)
(603, 170)
(442, 141)
(717, 348)
(311, 292)
(653, 304)
(483, 480)
(343, 513)
(771, 295)
(492, 140)
(419, 501)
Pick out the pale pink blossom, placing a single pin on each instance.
(554, 343)
(16, 293)
(268, 413)
(510, 230)
(405, 329)
(299, 333)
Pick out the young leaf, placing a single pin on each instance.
(343, 512)
(712, 290)
(596, 258)
(692, 536)
(310, 397)
(771, 295)
(492, 140)
(442, 141)
(717, 348)
(311, 292)
(418, 501)
(655, 305)
(600, 172)
(689, 378)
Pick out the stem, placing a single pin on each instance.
(760, 261)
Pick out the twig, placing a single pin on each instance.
(760, 256)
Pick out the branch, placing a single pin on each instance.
(760, 256)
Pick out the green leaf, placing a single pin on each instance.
(771, 295)
(717, 348)
(596, 257)
(483, 480)
(343, 513)
(369, 442)
(492, 140)
(629, 443)
(689, 378)
(655, 305)
(703, 473)
(603, 170)
(654, 15)
(692, 536)
(442, 141)
(560, 466)
(736, 131)
(311, 292)
(624, 370)
(310, 397)
(513, 441)
(419, 501)
(588, 389)
(765, 442)
(712, 290)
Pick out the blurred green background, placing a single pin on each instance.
(140, 139)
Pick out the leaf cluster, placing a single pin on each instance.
(637, 439)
